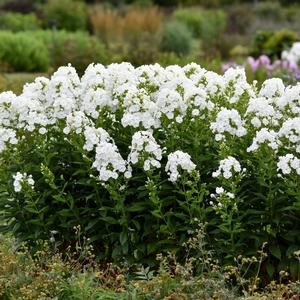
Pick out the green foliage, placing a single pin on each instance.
(19, 22)
(273, 43)
(77, 48)
(35, 51)
(206, 24)
(240, 18)
(15, 81)
(22, 52)
(177, 38)
(49, 274)
(70, 15)
(269, 9)
(20, 6)
(192, 18)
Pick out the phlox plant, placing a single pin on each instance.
(137, 157)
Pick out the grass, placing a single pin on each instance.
(15, 81)
(47, 274)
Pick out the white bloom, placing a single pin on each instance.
(108, 161)
(288, 163)
(264, 136)
(290, 130)
(20, 179)
(178, 159)
(293, 54)
(273, 87)
(145, 148)
(227, 167)
(228, 121)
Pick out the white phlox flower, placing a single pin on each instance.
(273, 87)
(20, 179)
(139, 109)
(217, 197)
(7, 136)
(292, 55)
(178, 159)
(94, 136)
(108, 161)
(228, 121)
(290, 131)
(267, 137)
(145, 148)
(236, 84)
(77, 122)
(287, 164)
(227, 168)
(262, 113)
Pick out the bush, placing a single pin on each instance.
(228, 41)
(21, 52)
(192, 18)
(204, 23)
(15, 81)
(138, 157)
(269, 9)
(177, 38)
(70, 15)
(37, 50)
(273, 43)
(209, 25)
(134, 36)
(19, 22)
(240, 18)
(77, 48)
(21, 6)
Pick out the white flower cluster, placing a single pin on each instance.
(292, 55)
(221, 191)
(262, 112)
(145, 148)
(288, 163)
(290, 130)
(227, 167)
(106, 100)
(228, 121)
(272, 88)
(218, 197)
(108, 161)
(264, 136)
(20, 179)
(178, 159)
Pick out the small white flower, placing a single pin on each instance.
(178, 159)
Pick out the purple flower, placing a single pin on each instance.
(264, 60)
(253, 63)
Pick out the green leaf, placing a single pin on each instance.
(275, 251)
(123, 237)
(294, 268)
(270, 269)
(65, 213)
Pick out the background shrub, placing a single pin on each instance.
(134, 36)
(19, 22)
(273, 43)
(240, 18)
(35, 51)
(206, 24)
(21, 52)
(77, 48)
(192, 18)
(70, 15)
(269, 9)
(177, 38)
(22, 6)
(111, 26)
